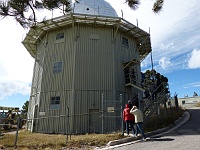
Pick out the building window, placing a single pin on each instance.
(60, 36)
(130, 75)
(125, 42)
(55, 102)
(57, 67)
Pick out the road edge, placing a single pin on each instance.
(183, 119)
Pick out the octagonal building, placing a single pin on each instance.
(87, 66)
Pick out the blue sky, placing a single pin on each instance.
(175, 38)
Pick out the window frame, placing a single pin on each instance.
(60, 37)
(57, 67)
(125, 42)
(55, 102)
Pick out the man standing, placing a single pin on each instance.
(138, 120)
(130, 104)
(135, 101)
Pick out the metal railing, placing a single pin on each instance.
(152, 103)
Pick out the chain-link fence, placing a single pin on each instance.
(112, 114)
(107, 119)
(5, 126)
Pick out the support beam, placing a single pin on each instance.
(131, 63)
(135, 86)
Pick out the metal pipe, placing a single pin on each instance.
(16, 135)
(102, 97)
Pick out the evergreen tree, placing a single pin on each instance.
(152, 75)
(24, 110)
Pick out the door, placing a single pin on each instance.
(94, 121)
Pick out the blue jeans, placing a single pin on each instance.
(139, 128)
(131, 123)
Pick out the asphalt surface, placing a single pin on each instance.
(184, 134)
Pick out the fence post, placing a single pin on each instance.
(67, 124)
(0, 130)
(16, 135)
(66, 129)
(102, 97)
(122, 114)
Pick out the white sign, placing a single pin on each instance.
(110, 109)
(42, 113)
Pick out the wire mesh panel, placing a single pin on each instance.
(111, 114)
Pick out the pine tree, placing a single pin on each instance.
(24, 11)
(24, 110)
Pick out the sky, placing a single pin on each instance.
(175, 39)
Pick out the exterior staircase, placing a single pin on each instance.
(149, 105)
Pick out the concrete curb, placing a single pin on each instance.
(183, 119)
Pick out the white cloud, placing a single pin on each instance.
(194, 60)
(8, 88)
(172, 30)
(145, 62)
(167, 47)
(165, 63)
(190, 85)
(16, 65)
(15, 61)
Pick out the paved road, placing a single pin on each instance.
(185, 137)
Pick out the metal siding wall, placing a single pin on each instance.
(59, 52)
(48, 64)
(94, 60)
(54, 120)
(37, 72)
(84, 101)
(36, 84)
(123, 54)
(55, 84)
(81, 119)
(93, 74)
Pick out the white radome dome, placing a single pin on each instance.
(94, 7)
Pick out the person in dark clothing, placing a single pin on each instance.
(152, 89)
(130, 104)
(135, 101)
(176, 100)
(146, 94)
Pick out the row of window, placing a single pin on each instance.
(61, 36)
(57, 66)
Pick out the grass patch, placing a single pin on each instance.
(56, 141)
(164, 119)
(27, 140)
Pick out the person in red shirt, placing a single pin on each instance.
(128, 119)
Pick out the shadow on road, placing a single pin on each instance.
(160, 139)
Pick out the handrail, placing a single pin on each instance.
(154, 103)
